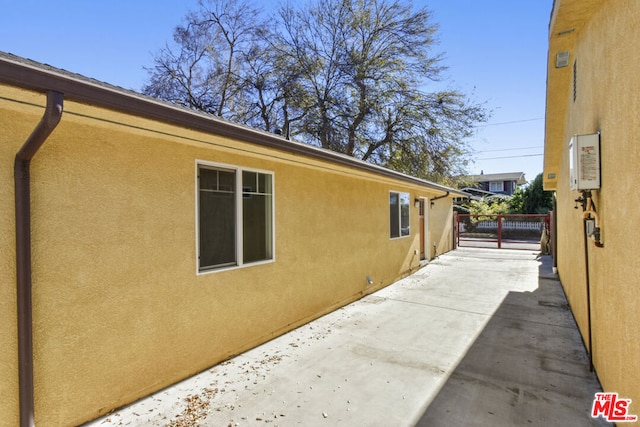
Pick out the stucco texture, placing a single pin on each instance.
(119, 309)
(607, 101)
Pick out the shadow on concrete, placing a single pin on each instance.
(528, 367)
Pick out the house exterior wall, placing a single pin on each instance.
(119, 310)
(440, 227)
(508, 187)
(607, 101)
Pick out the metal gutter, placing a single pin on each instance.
(31, 75)
(49, 121)
(439, 197)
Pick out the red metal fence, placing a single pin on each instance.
(505, 231)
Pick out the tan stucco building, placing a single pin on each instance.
(593, 95)
(143, 242)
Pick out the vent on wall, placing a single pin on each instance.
(562, 59)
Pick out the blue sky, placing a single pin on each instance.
(495, 51)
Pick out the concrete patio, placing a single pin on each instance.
(477, 337)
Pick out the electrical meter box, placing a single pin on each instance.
(584, 162)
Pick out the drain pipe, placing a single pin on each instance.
(433, 200)
(49, 121)
(586, 270)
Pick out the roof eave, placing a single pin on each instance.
(33, 76)
(567, 19)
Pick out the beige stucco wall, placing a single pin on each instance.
(119, 310)
(440, 227)
(9, 145)
(608, 100)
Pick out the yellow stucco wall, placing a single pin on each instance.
(441, 235)
(9, 145)
(119, 310)
(608, 101)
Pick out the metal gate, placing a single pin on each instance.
(504, 231)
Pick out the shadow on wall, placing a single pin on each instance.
(528, 366)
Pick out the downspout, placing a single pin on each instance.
(439, 197)
(50, 119)
(586, 270)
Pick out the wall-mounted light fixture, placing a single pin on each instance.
(416, 203)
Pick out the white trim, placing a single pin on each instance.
(238, 170)
(496, 182)
(239, 216)
(400, 235)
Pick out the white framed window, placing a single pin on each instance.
(496, 187)
(399, 208)
(235, 216)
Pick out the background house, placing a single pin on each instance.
(498, 183)
(163, 241)
(592, 96)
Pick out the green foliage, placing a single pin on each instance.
(517, 201)
(493, 206)
(536, 200)
(529, 200)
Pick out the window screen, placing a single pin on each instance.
(225, 213)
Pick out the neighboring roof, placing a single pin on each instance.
(40, 77)
(472, 190)
(518, 177)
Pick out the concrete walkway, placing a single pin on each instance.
(479, 337)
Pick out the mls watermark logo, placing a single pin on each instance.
(612, 408)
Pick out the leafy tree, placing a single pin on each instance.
(493, 206)
(531, 199)
(536, 200)
(516, 202)
(347, 75)
(204, 68)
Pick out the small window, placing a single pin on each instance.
(235, 217)
(496, 187)
(398, 214)
(217, 212)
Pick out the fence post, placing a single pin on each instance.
(499, 231)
